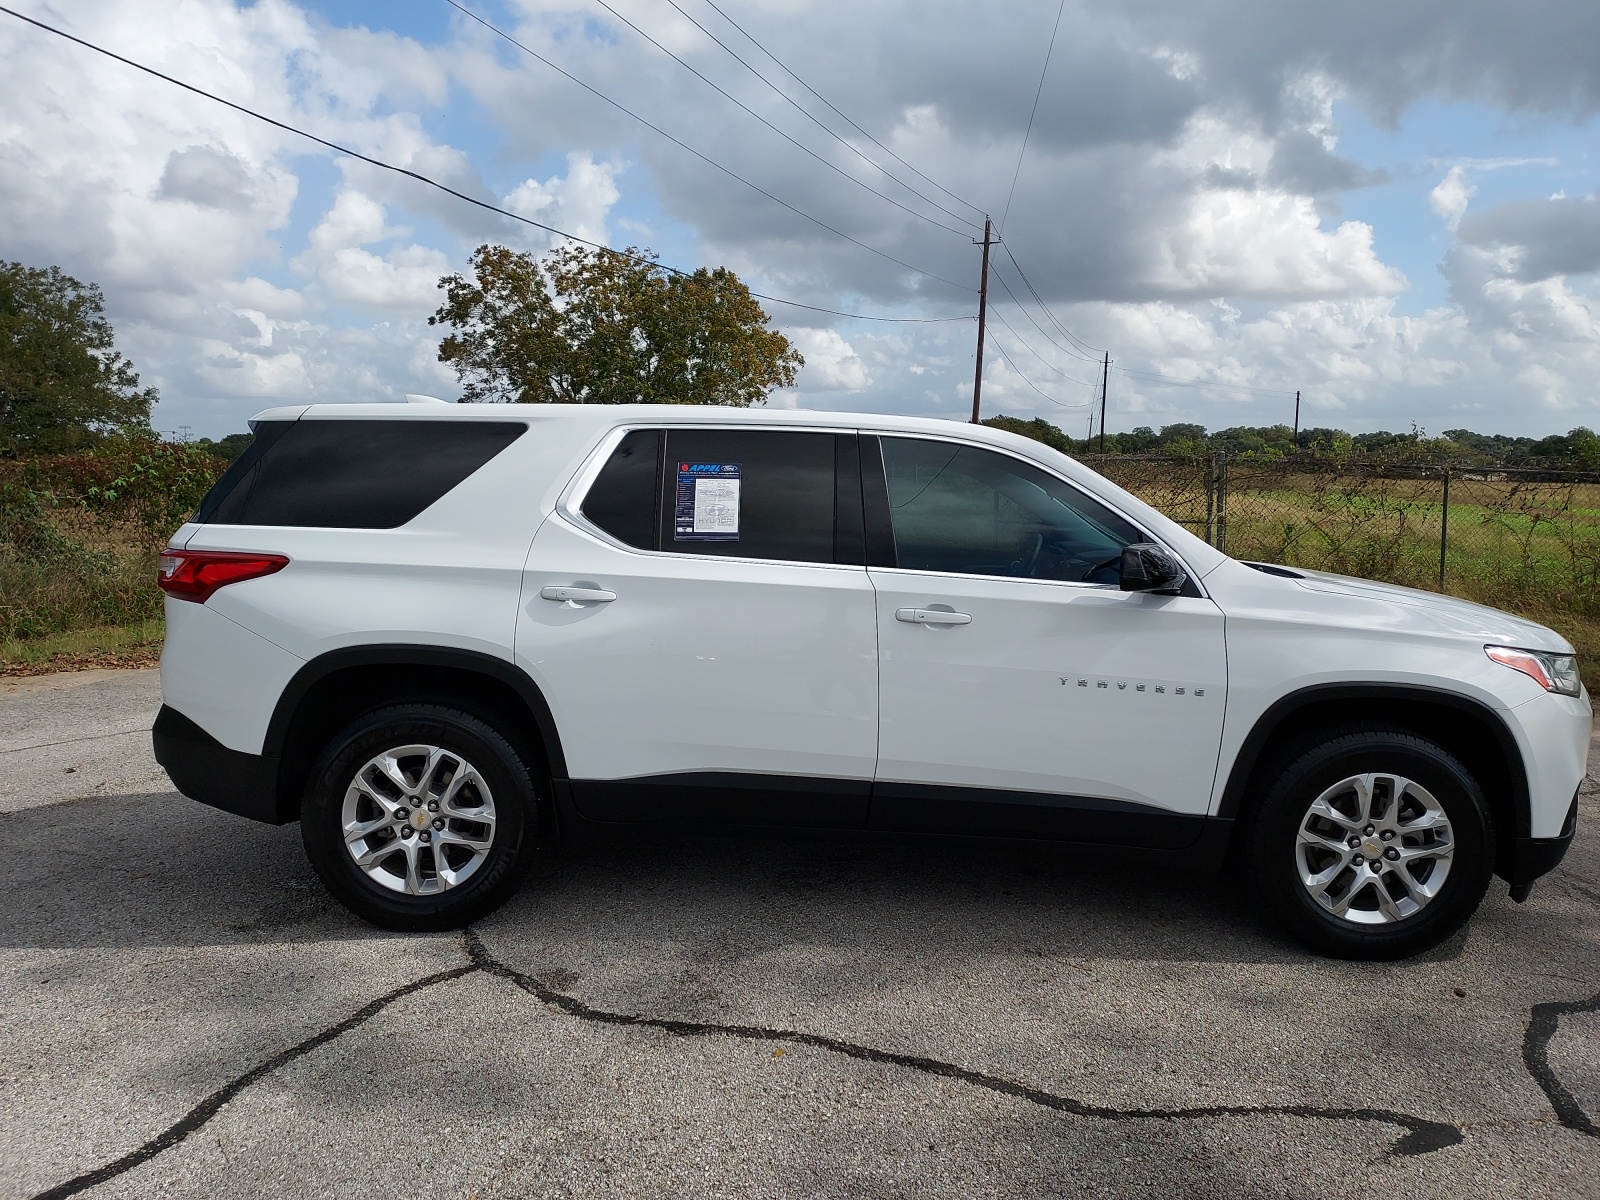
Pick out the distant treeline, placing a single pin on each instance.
(1579, 446)
(228, 448)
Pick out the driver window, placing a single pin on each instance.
(975, 512)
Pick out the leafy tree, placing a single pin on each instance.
(63, 386)
(1321, 437)
(1141, 439)
(607, 327)
(1038, 429)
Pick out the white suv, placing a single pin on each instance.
(441, 637)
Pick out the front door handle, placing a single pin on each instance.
(932, 616)
(555, 591)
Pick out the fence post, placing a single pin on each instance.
(1444, 526)
(1222, 501)
(1210, 470)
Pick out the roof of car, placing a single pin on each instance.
(609, 415)
(604, 414)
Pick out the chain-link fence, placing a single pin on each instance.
(1523, 536)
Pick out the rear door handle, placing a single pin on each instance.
(555, 591)
(931, 616)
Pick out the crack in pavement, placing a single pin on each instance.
(1421, 1136)
(196, 1117)
(91, 737)
(1543, 1023)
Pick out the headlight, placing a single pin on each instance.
(1553, 672)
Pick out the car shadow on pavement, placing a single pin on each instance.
(159, 870)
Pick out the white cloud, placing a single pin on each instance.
(832, 364)
(1264, 243)
(577, 202)
(1451, 197)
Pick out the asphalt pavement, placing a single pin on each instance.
(187, 1013)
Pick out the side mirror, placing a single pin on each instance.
(1146, 567)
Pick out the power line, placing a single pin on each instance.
(1070, 378)
(1043, 71)
(837, 111)
(808, 115)
(707, 159)
(434, 183)
(834, 108)
(1152, 376)
(795, 142)
(1054, 320)
(1000, 346)
(1000, 279)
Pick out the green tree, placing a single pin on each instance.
(229, 448)
(607, 327)
(1038, 429)
(63, 386)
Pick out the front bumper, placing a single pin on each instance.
(1533, 857)
(203, 769)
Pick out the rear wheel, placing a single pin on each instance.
(1371, 844)
(420, 817)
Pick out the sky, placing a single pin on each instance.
(1392, 208)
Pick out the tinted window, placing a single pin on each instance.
(623, 498)
(976, 512)
(750, 494)
(225, 500)
(351, 474)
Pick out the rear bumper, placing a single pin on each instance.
(1532, 857)
(203, 769)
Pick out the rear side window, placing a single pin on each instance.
(751, 493)
(622, 500)
(351, 474)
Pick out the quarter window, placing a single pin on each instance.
(975, 512)
(351, 474)
(622, 500)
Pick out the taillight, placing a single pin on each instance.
(196, 574)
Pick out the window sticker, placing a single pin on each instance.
(707, 508)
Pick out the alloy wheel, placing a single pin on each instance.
(1374, 849)
(418, 819)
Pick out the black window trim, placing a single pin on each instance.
(570, 504)
(880, 524)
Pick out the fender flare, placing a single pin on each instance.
(410, 655)
(1268, 723)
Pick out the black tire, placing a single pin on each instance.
(1275, 861)
(494, 874)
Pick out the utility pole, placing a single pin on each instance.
(1105, 376)
(1297, 420)
(983, 312)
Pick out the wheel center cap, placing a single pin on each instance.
(421, 818)
(1371, 848)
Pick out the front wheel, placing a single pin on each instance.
(420, 817)
(1371, 844)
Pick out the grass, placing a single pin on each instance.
(75, 595)
(135, 645)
